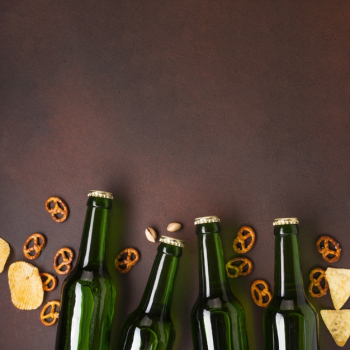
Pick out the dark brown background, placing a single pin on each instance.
(181, 109)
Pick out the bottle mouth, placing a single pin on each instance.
(285, 221)
(206, 220)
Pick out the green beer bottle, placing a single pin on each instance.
(290, 321)
(217, 319)
(88, 293)
(150, 326)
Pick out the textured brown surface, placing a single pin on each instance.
(182, 109)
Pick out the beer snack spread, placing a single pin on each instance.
(259, 294)
(66, 261)
(241, 239)
(338, 324)
(339, 285)
(316, 283)
(25, 285)
(60, 207)
(328, 254)
(37, 246)
(4, 253)
(125, 265)
(46, 284)
(239, 269)
(53, 315)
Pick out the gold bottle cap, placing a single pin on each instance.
(285, 221)
(172, 241)
(101, 194)
(206, 220)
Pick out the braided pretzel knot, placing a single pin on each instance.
(37, 248)
(66, 261)
(57, 209)
(241, 239)
(326, 250)
(261, 293)
(49, 278)
(239, 270)
(316, 282)
(52, 314)
(128, 262)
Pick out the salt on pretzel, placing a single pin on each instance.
(125, 265)
(316, 283)
(326, 251)
(60, 207)
(37, 247)
(239, 270)
(241, 239)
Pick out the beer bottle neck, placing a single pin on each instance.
(93, 242)
(288, 278)
(158, 294)
(212, 275)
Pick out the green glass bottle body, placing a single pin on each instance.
(150, 326)
(88, 293)
(217, 319)
(290, 321)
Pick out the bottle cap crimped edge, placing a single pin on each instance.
(206, 220)
(101, 194)
(172, 241)
(285, 221)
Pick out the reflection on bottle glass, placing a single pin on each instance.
(88, 293)
(290, 321)
(150, 326)
(217, 319)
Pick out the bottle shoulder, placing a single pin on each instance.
(89, 273)
(299, 306)
(212, 304)
(144, 318)
(97, 277)
(140, 320)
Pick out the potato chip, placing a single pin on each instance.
(339, 285)
(4, 253)
(338, 324)
(25, 285)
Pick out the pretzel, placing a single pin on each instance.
(52, 314)
(261, 293)
(326, 250)
(242, 238)
(316, 282)
(50, 278)
(57, 209)
(239, 269)
(37, 248)
(128, 262)
(66, 261)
